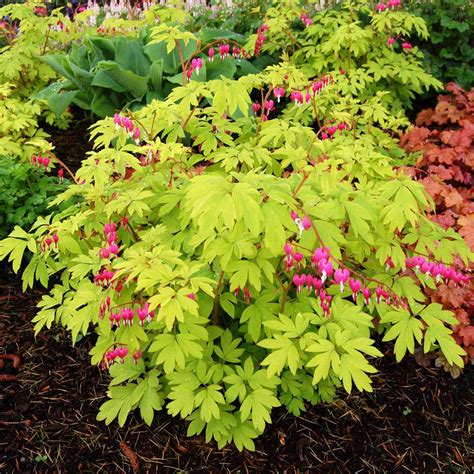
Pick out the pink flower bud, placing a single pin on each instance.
(278, 92)
(113, 249)
(136, 134)
(122, 352)
(117, 318)
(288, 249)
(223, 51)
(378, 294)
(328, 269)
(299, 281)
(418, 261)
(321, 253)
(256, 107)
(366, 294)
(293, 215)
(341, 276)
(269, 105)
(306, 223)
(296, 97)
(211, 53)
(391, 41)
(317, 284)
(112, 237)
(355, 286)
(298, 256)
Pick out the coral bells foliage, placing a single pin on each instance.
(444, 139)
(257, 263)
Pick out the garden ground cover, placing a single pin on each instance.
(417, 419)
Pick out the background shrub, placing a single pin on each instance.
(26, 193)
(449, 51)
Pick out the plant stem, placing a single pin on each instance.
(64, 166)
(215, 308)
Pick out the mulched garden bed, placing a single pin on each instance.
(417, 420)
(71, 145)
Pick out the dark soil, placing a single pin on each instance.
(417, 420)
(71, 145)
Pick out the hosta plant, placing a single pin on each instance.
(107, 74)
(234, 256)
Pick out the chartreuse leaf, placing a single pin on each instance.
(209, 400)
(255, 314)
(409, 327)
(245, 379)
(437, 333)
(119, 405)
(151, 399)
(229, 350)
(128, 371)
(218, 429)
(15, 246)
(442, 336)
(343, 357)
(174, 349)
(243, 434)
(405, 329)
(284, 352)
(257, 406)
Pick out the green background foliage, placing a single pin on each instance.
(449, 52)
(25, 194)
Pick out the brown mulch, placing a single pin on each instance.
(71, 145)
(417, 420)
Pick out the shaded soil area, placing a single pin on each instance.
(71, 145)
(416, 420)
